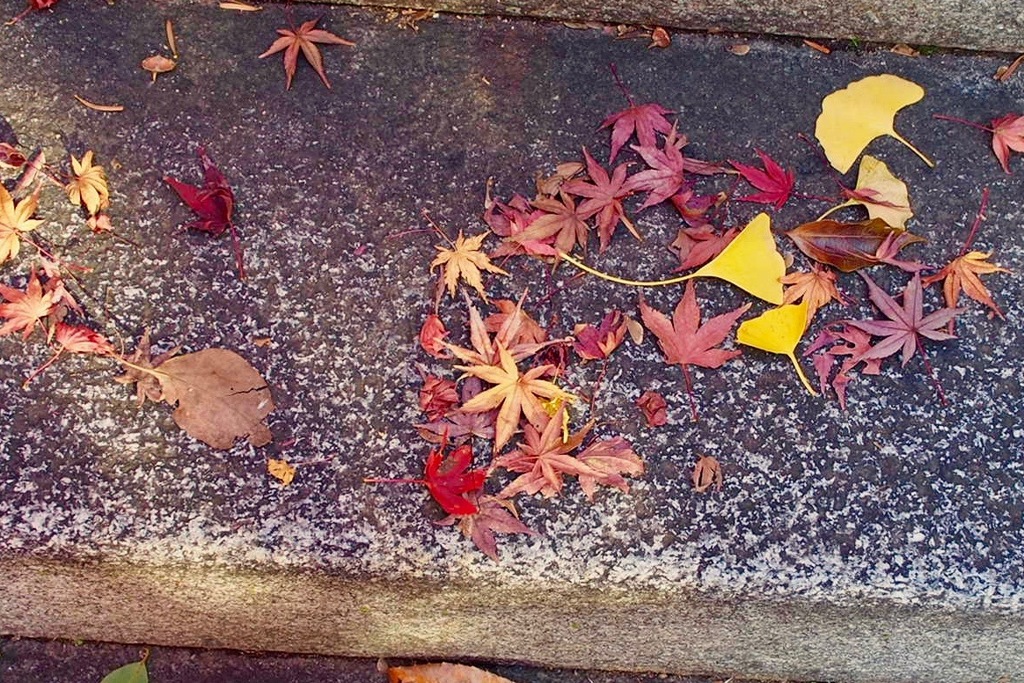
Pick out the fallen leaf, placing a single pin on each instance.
(739, 49)
(604, 195)
(213, 203)
(139, 370)
(281, 470)
(854, 116)
(465, 260)
(172, 40)
(550, 185)
(751, 262)
(665, 176)
(448, 479)
(24, 309)
(239, 6)
(904, 50)
(10, 156)
(707, 473)
(88, 185)
(438, 396)
(304, 38)
(597, 343)
(516, 334)
(848, 246)
(543, 458)
(654, 408)
(884, 195)
(514, 325)
(1003, 73)
(442, 673)
(432, 336)
(561, 224)
(696, 246)
(643, 119)
(457, 426)
(817, 288)
(776, 183)
(608, 460)
(130, 673)
(493, 515)
(81, 339)
(817, 46)
(685, 342)
(778, 331)
(1007, 134)
(33, 6)
(660, 38)
(514, 392)
(635, 329)
(219, 397)
(904, 324)
(15, 221)
(158, 64)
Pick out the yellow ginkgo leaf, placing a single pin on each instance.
(854, 116)
(751, 262)
(884, 195)
(778, 331)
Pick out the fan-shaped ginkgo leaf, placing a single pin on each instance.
(751, 262)
(857, 114)
(778, 331)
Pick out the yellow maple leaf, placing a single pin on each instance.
(517, 393)
(884, 195)
(88, 185)
(465, 260)
(281, 470)
(751, 262)
(778, 331)
(857, 114)
(15, 220)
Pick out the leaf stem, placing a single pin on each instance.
(801, 375)
(931, 373)
(977, 222)
(622, 281)
(380, 480)
(622, 86)
(915, 150)
(963, 122)
(689, 392)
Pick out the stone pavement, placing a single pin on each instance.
(882, 543)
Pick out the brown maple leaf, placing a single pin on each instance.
(561, 223)
(686, 342)
(544, 458)
(304, 38)
(146, 383)
(817, 288)
(24, 308)
(698, 245)
(610, 459)
(961, 275)
(465, 260)
(517, 333)
(515, 392)
(15, 221)
(493, 515)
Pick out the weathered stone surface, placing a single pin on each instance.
(987, 25)
(883, 543)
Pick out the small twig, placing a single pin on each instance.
(931, 374)
(977, 222)
(689, 392)
(622, 86)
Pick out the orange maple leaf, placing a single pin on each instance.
(465, 260)
(961, 274)
(24, 308)
(517, 393)
(88, 185)
(817, 288)
(15, 220)
(304, 38)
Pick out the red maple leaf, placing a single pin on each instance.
(561, 224)
(776, 183)
(604, 198)
(432, 336)
(74, 339)
(610, 459)
(665, 175)
(685, 342)
(597, 343)
(904, 325)
(437, 396)
(304, 38)
(544, 458)
(644, 119)
(448, 478)
(33, 6)
(1007, 134)
(494, 515)
(214, 203)
(696, 246)
(24, 308)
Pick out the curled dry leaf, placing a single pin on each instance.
(98, 107)
(158, 64)
(707, 473)
(239, 6)
(281, 470)
(660, 38)
(654, 408)
(739, 49)
(10, 156)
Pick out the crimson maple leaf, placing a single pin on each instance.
(604, 198)
(665, 176)
(905, 325)
(1007, 134)
(458, 426)
(33, 6)
(644, 119)
(24, 308)
(448, 478)
(696, 246)
(494, 515)
(655, 409)
(776, 183)
(685, 342)
(437, 395)
(214, 203)
(304, 38)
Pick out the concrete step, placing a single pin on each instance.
(878, 544)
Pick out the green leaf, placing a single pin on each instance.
(129, 673)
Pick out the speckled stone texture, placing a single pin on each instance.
(976, 25)
(882, 543)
